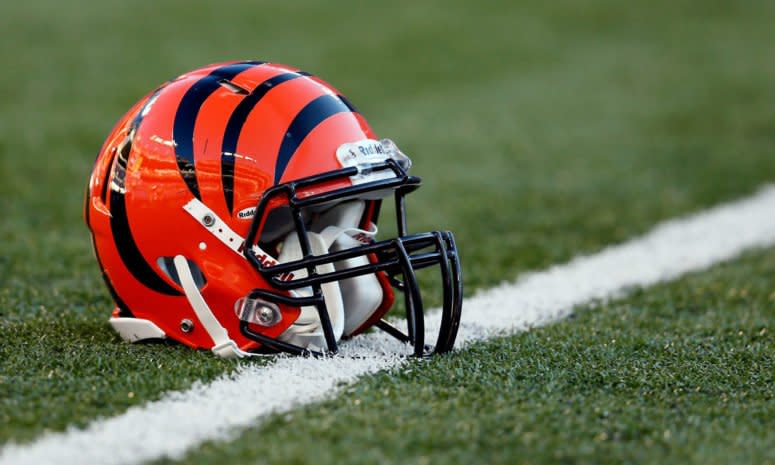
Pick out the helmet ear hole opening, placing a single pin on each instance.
(167, 266)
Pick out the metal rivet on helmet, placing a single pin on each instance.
(267, 316)
(186, 325)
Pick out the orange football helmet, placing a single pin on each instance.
(235, 207)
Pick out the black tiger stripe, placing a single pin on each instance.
(123, 308)
(234, 129)
(119, 222)
(348, 103)
(187, 112)
(314, 113)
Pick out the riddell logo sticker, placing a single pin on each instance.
(246, 213)
(363, 238)
(266, 261)
(370, 149)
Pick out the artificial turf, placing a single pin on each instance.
(682, 373)
(542, 130)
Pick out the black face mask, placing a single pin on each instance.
(398, 258)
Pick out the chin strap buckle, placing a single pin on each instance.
(229, 349)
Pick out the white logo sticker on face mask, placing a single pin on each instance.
(368, 152)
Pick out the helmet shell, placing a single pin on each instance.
(222, 134)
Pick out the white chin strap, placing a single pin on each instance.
(223, 346)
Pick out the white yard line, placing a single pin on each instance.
(181, 421)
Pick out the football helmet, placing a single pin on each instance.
(235, 209)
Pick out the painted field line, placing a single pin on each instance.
(219, 410)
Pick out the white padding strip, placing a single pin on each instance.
(136, 329)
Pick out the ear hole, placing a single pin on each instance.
(167, 265)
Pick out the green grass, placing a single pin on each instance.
(681, 373)
(542, 130)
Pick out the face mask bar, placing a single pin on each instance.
(398, 257)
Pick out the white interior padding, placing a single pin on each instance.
(361, 295)
(346, 215)
(350, 302)
(306, 331)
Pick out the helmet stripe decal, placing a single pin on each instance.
(308, 118)
(234, 128)
(119, 222)
(185, 117)
(123, 308)
(348, 103)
